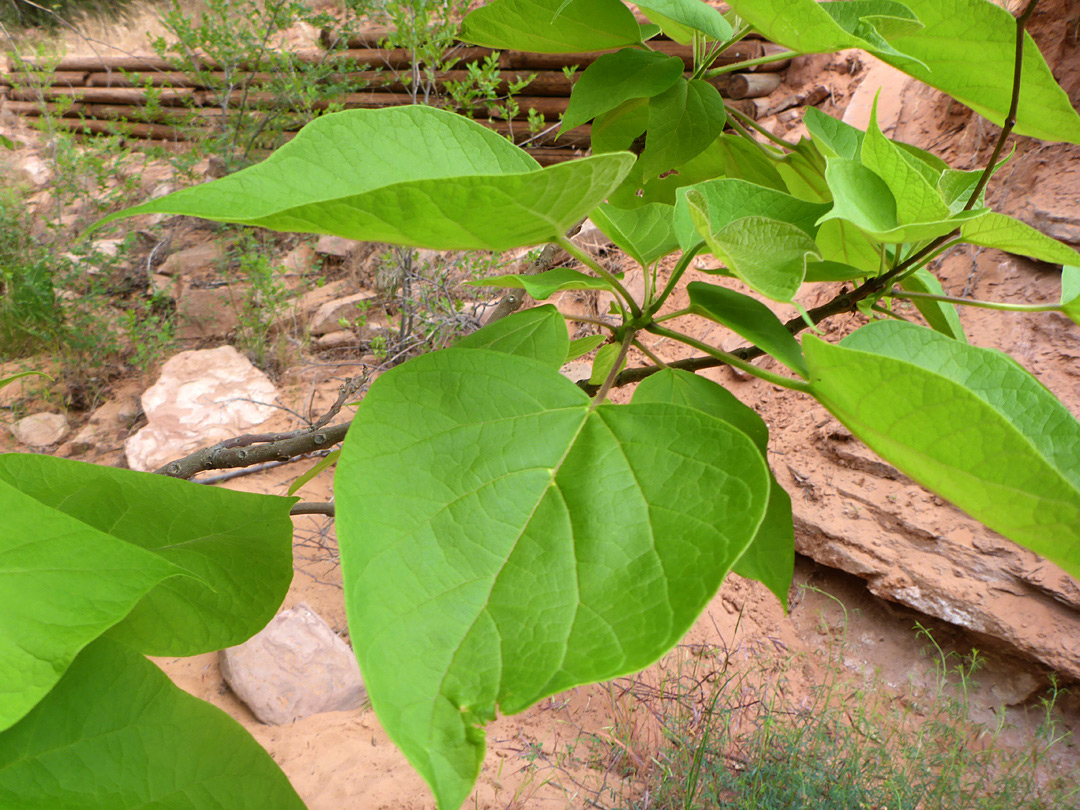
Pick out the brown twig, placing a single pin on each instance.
(312, 508)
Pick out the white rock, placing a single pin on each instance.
(334, 315)
(201, 397)
(335, 246)
(41, 429)
(34, 170)
(295, 667)
(187, 261)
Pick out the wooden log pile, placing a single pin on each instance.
(150, 98)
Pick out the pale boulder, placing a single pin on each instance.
(294, 667)
(202, 397)
(41, 429)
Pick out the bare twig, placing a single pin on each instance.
(310, 508)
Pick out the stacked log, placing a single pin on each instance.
(151, 98)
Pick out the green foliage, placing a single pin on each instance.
(524, 534)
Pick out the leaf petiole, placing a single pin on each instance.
(970, 302)
(761, 60)
(593, 265)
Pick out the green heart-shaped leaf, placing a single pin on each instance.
(555, 544)
(999, 231)
(236, 547)
(538, 333)
(968, 423)
(688, 16)
(408, 175)
(615, 78)
(941, 315)
(116, 733)
(551, 26)
(646, 233)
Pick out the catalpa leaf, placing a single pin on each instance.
(236, 547)
(965, 47)
(424, 177)
(833, 271)
(840, 242)
(729, 199)
(683, 121)
(743, 160)
(615, 78)
(917, 198)
(748, 318)
(551, 26)
(968, 423)
(832, 136)
(689, 16)
(767, 254)
(558, 544)
(1070, 292)
(941, 315)
(999, 231)
(862, 198)
(646, 233)
(546, 284)
(579, 347)
(116, 733)
(538, 333)
(770, 558)
(62, 584)
(603, 363)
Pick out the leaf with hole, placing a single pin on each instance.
(615, 78)
(968, 423)
(425, 177)
(619, 521)
(551, 26)
(748, 318)
(116, 733)
(538, 333)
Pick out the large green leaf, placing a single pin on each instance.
(615, 78)
(552, 544)
(539, 333)
(941, 315)
(551, 26)
(750, 319)
(966, 48)
(743, 160)
(546, 284)
(116, 734)
(236, 547)
(62, 584)
(999, 231)
(409, 175)
(770, 558)
(689, 16)
(832, 136)
(1070, 292)
(683, 121)
(968, 423)
(646, 233)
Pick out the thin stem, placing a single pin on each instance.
(969, 302)
(746, 120)
(731, 359)
(770, 151)
(606, 275)
(676, 314)
(761, 60)
(676, 274)
(591, 321)
(312, 508)
(1010, 119)
(645, 350)
(624, 347)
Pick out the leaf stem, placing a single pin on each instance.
(761, 60)
(730, 359)
(593, 265)
(770, 151)
(970, 302)
(676, 314)
(676, 274)
(624, 347)
(645, 350)
(747, 121)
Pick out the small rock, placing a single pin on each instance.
(192, 259)
(333, 315)
(337, 246)
(200, 398)
(295, 667)
(301, 260)
(34, 171)
(170, 286)
(208, 313)
(335, 340)
(41, 429)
